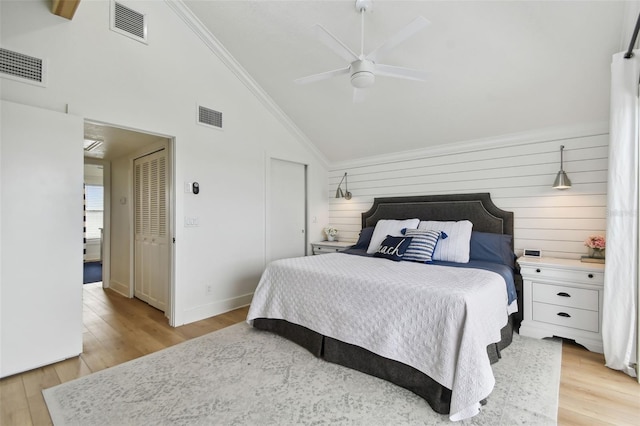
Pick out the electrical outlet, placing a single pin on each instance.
(209, 288)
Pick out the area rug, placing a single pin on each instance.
(92, 272)
(243, 376)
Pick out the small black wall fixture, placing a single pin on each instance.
(562, 180)
(346, 194)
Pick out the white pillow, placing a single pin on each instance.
(454, 248)
(391, 227)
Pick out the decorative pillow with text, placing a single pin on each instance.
(393, 248)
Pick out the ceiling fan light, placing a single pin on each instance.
(362, 79)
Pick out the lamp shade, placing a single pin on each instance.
(339, 193)
(562, 181)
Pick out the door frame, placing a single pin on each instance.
(106, 218)
(169, 145)
(268, 199)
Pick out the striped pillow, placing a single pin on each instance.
(423, 244)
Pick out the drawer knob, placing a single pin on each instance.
(538, 270)
(563, 294)
(590, 275)
(564, 314)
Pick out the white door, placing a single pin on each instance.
(41, 246)
(287, 210)
(151, 262)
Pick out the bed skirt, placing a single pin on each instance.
(357, 358)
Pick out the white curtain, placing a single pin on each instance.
(620, 311)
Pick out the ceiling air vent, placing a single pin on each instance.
(129, 22)
(17, 66)
(209, 117)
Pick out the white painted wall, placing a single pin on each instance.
(121, 225)
(103, 76)
(40, 284)
(517, 170)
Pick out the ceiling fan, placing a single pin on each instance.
(362, 68)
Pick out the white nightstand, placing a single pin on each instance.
(563, 297)
(323, 247)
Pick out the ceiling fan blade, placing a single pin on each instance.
(401, 72)
(322, 76)
(410, 29)
(334, 44)
(359, 95)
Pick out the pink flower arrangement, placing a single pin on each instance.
(596, 242)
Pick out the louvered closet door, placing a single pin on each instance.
(151, 233)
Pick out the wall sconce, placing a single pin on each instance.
(562, 180)
(346, 194)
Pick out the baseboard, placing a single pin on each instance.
(212, 309)
(119, 287)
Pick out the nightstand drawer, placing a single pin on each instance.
(325, 249)
(566, 296)
(566, 317)
(554, 274)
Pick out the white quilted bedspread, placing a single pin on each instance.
(437, 319)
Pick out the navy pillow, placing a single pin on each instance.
(364, 238)
(393, 248)
(490, 247)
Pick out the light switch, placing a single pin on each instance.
(191, 221)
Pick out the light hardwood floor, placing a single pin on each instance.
(117, 329)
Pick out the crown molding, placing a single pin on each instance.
(533, 136)
(234, 66)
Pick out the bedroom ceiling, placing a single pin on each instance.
(495, 68)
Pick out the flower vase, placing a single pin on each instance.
(331, 237)
(596, 253)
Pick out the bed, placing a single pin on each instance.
(438, 340)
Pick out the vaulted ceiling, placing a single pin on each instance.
(494, 67)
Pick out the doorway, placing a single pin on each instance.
(93, 223)
(118, 149)
(287, 209)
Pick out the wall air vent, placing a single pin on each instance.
(20, 67)
(209, 117)
(128, 22)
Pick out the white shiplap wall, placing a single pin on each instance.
(517, 170)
